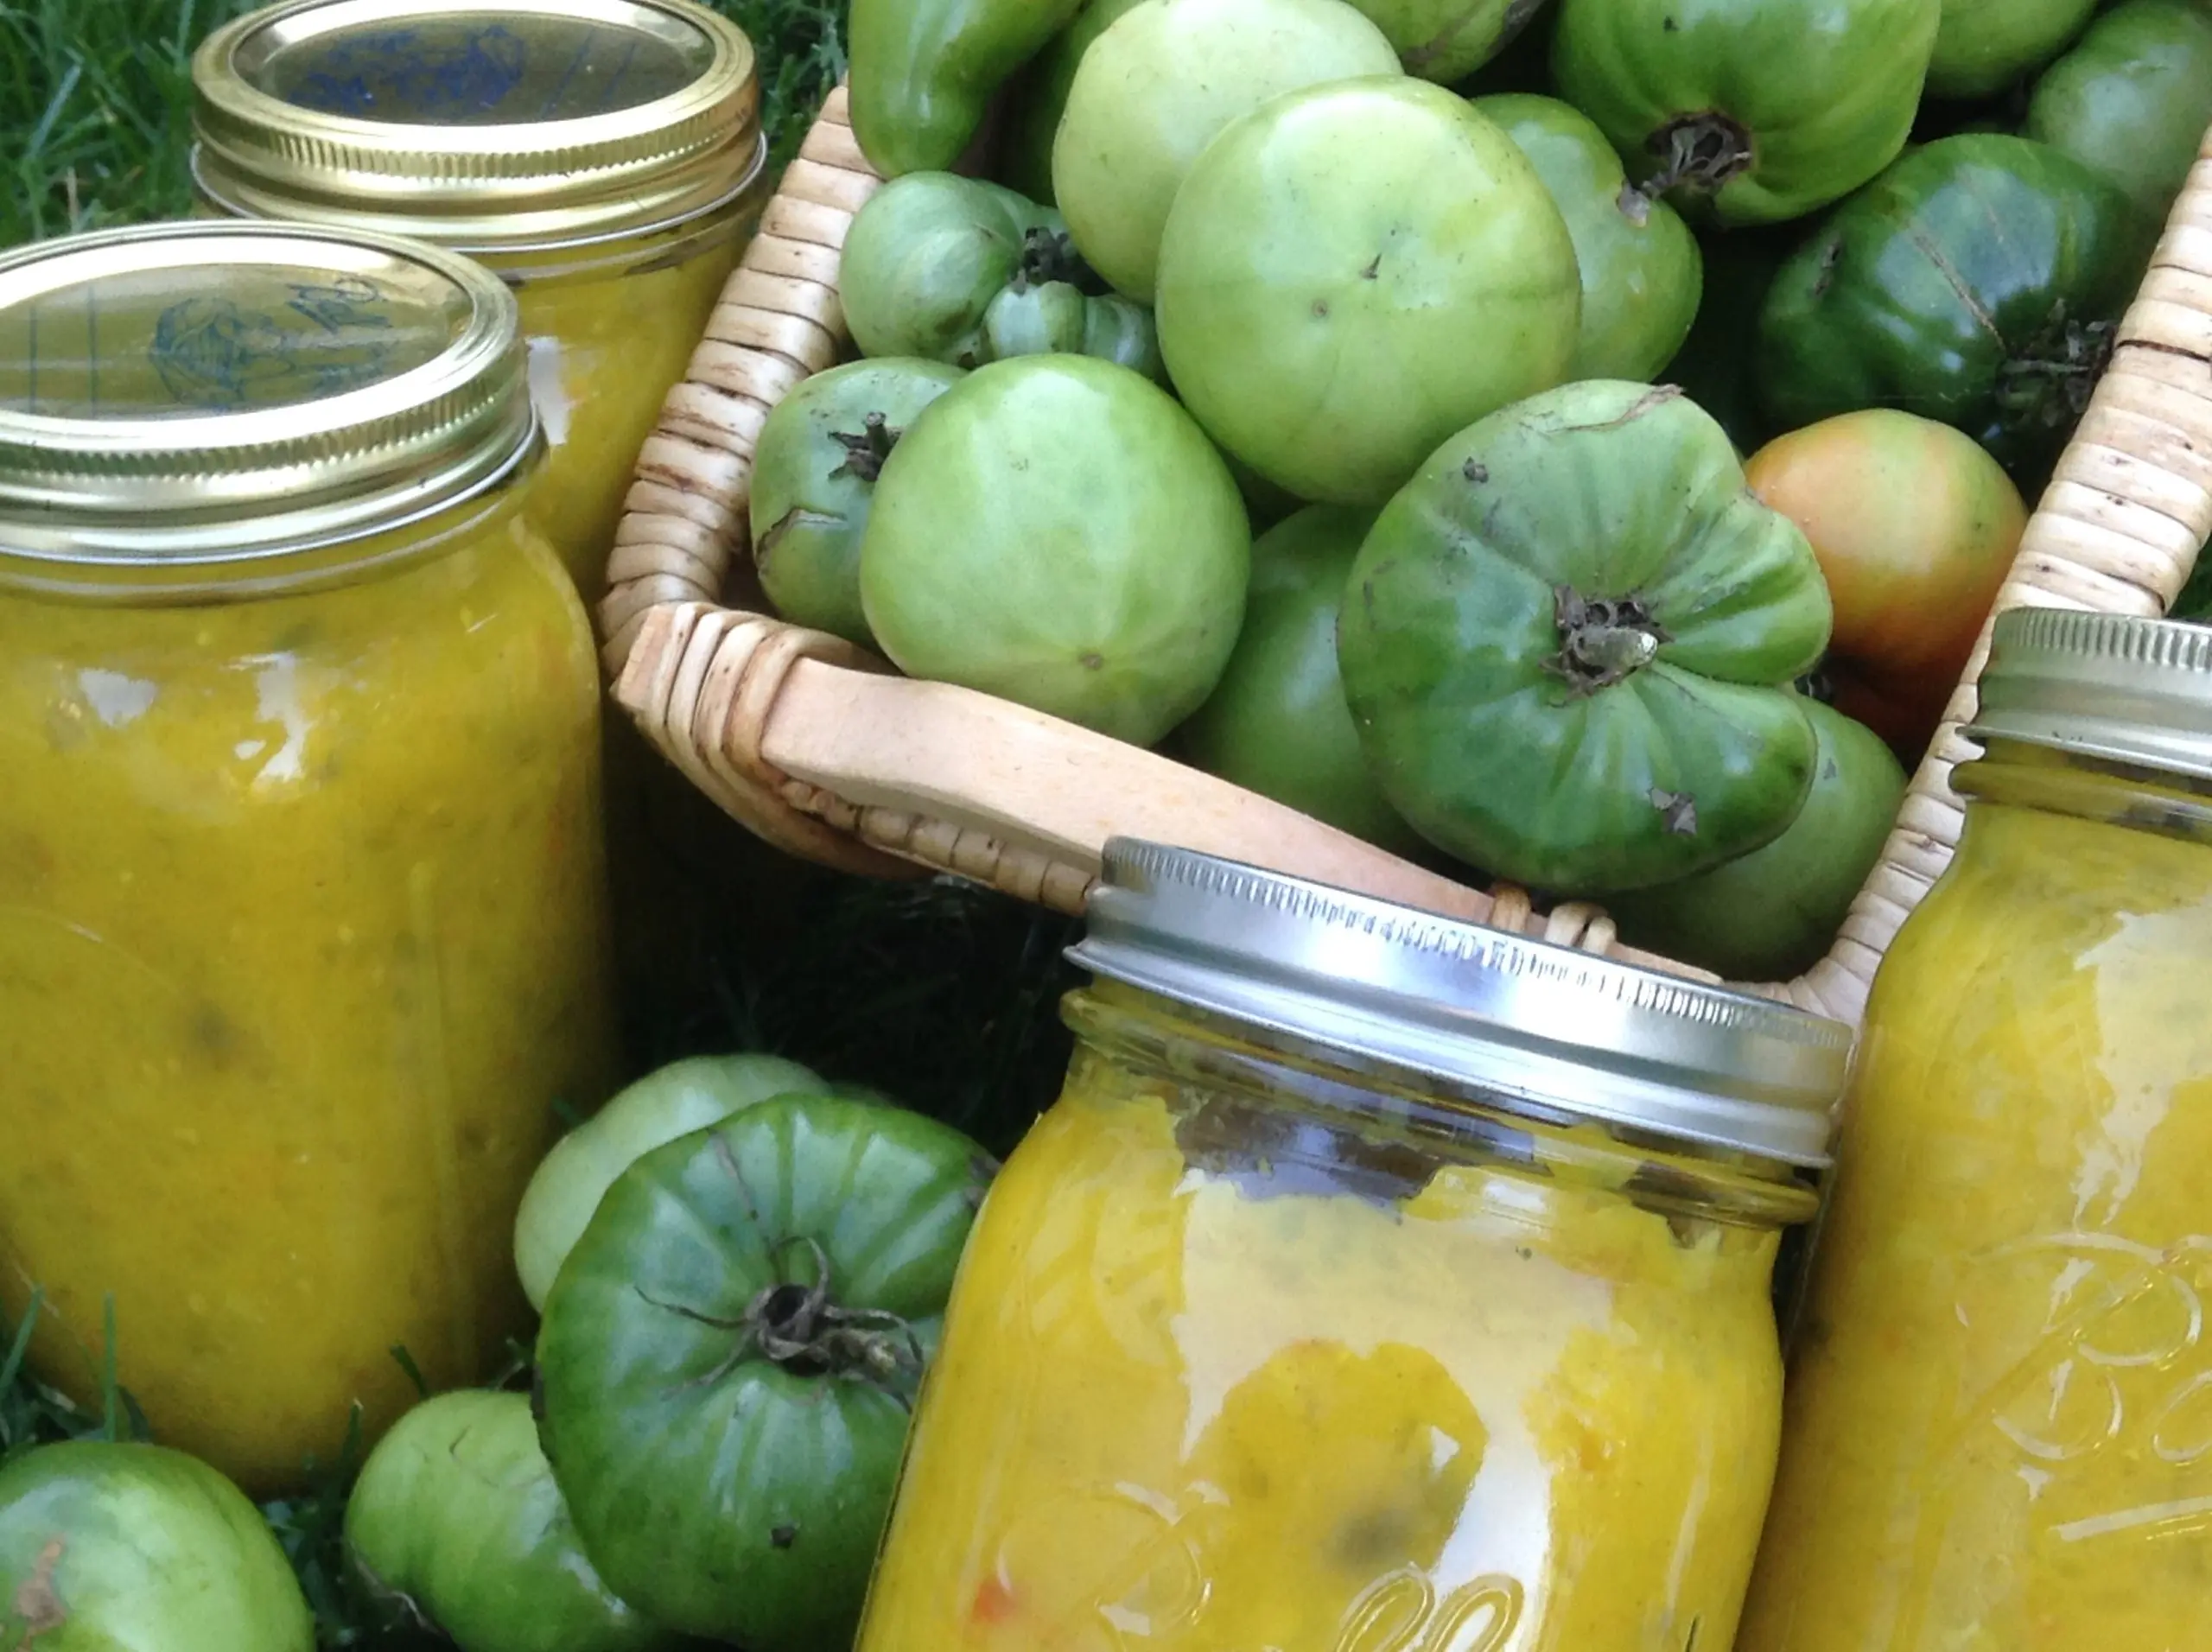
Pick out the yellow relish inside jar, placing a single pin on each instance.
(604, 157)
(1376, 1281)
(303, 908)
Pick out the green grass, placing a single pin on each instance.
(936, 993)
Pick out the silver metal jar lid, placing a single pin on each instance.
(1555, 1029)
(2103, 685)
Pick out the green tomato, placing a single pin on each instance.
(1772, 914)
(1355, 272)
(1569, 644)
(964, 271)
(1278, 724)
(1039, 97)
(924, 71)
(1904, 298)
(679, 1098)
(729, 1359)
(814, 474)
(456, 1527)
(1984, 46)
(1753, 111)
(137, 1548)
(1161, 85)
(1057, 532)
(2132, 100)
(1641, 273)
(1446, 41)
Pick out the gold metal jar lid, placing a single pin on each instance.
(209, 392)
(2100, 685)
(493, 125)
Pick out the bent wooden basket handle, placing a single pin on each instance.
(819, 749)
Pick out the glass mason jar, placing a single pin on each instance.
(2000, 1416)
(302, 917)
(1378, 1281)
(604, 157)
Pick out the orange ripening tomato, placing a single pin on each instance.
(1915, 527)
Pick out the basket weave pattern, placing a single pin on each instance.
(816, 746)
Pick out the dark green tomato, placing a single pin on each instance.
(1984, 46)
(1715, 363)
(925, 70)
(1277, 724)
(1976, 283)
(731, 1352)
(455, 1526)
(1641, 275)
(814, 479)
(136, 1548)
(966, 272)
(1446, 41)
(1039, 97)
(2132, 100)
(1752, 111)
(671, 1101)
(1568, 644)
(1772, 914)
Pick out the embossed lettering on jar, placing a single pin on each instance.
(603, 156)
(303, 918)
(2000, 1415)
(1378, 1281)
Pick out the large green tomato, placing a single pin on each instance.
(1161, 84)
(456, 1525)
(1754, 110)
(1569, 645)
(729, 1359)
(1984, 46)
(676, 1100)
(1057, 532)
(814, 472)
(1642, 272)
(1355, 272)
(1905, 299)
(137, 1548)
(1278, 724)
(1446, 41)
(924, 72)
(1039, 97)
(1772, 914)
(2132, 100)
(966, 271)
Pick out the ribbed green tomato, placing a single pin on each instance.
(1277, 724)
(673, 1100)
(1984, 46)
(1772, 914)
(455, 1526)
(1160, 85)
(1568, 644)
(1905, 299)
(814, 472)
(2132, 100)
(730, 1357)
(1355, 272)
(1751, 112)
(966, 271)
(1057, 532)
(1641, 273)
(137, 1548)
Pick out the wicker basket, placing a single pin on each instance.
(822, 750)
